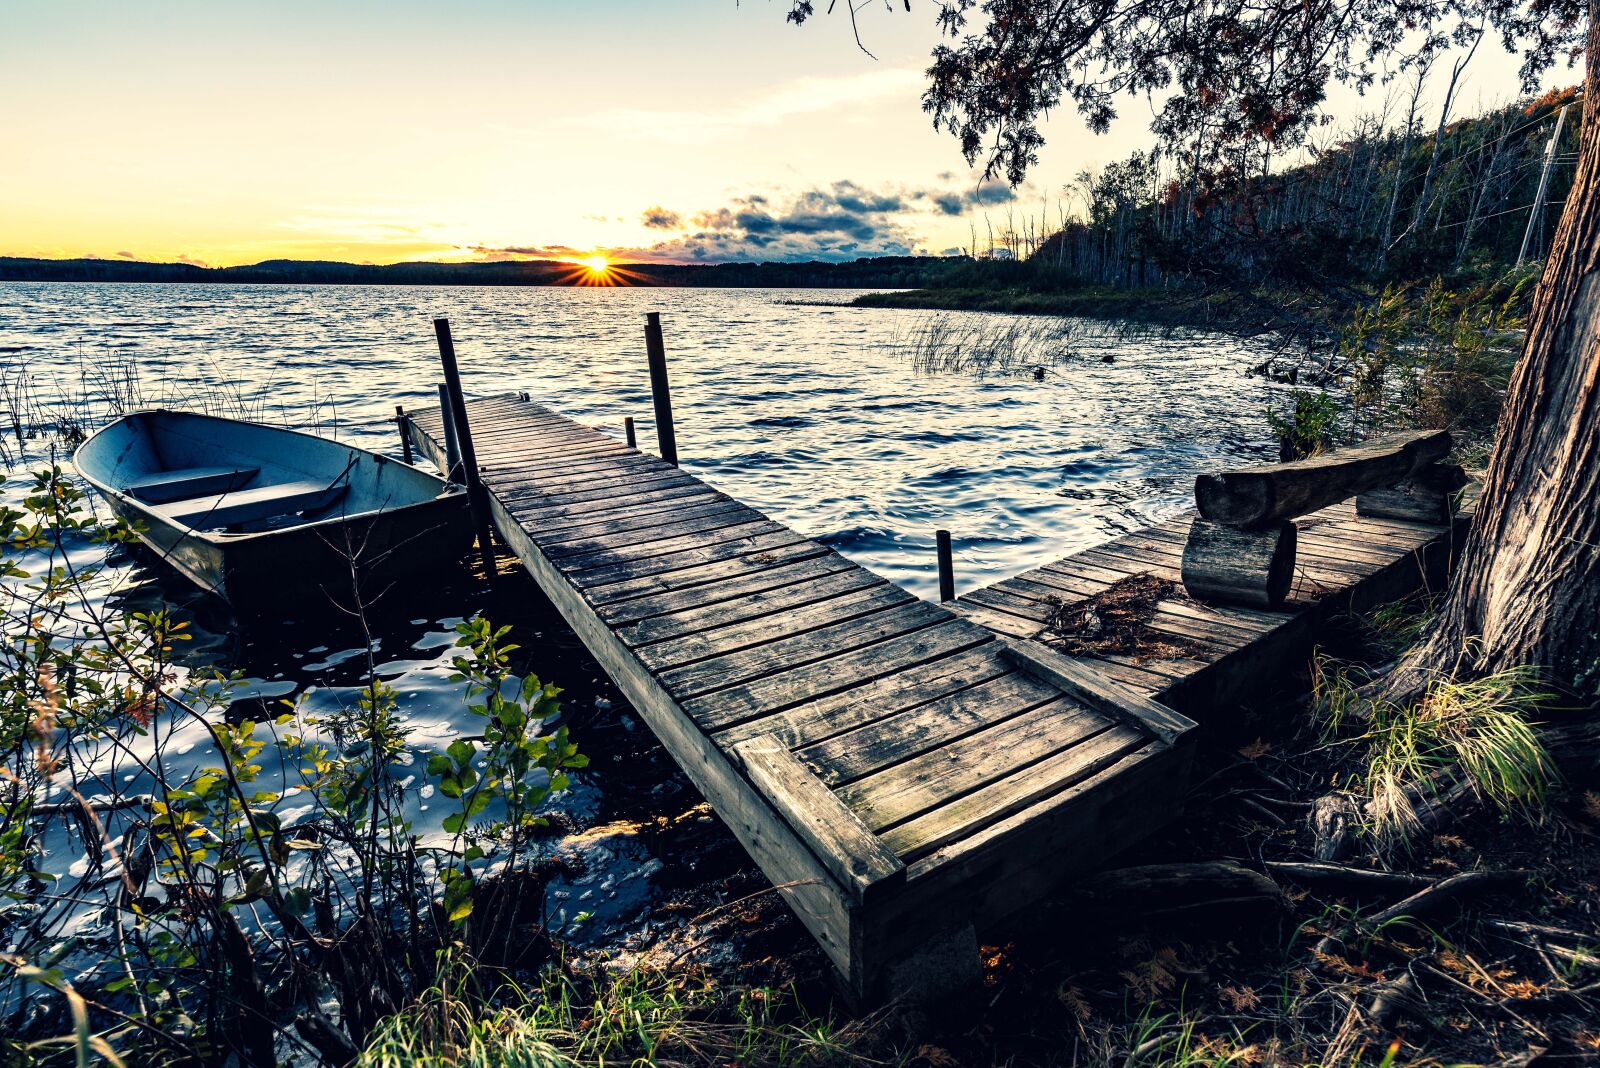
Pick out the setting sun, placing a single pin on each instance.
(597, 264)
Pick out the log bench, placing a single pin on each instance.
(1241, 548)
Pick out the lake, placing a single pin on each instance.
(814, 414)
(809, 413)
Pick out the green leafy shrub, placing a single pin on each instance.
(1308, 427)
(218, 913)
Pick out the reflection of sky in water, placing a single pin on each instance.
(799, 411)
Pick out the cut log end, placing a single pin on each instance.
(1249, 567)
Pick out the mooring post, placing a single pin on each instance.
(452, 450)
(402, 421)
(477, 499)
(627, 430)
(947, 567)
(666, 436)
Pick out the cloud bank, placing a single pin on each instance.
(843, 221)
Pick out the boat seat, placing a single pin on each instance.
(254, 504)
(185, 483)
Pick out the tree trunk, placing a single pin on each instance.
(1527, 591)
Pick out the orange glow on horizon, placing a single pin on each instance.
(597, 270)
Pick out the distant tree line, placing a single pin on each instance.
(883, 272)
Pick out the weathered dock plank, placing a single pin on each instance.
(886, 761)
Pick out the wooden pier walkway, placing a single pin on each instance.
(900, 772)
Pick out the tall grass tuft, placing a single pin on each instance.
(1481, 729)
(638, 1016)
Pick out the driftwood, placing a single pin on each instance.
(1425, 903)
(1399, 997)
(1254, 495)
(1334, 820)
(1314, 873)
(1428, 496)
(1250, 567)
(1180, 890)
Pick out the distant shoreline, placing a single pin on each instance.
(884, 272)
(1152, 307)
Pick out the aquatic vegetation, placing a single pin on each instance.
(1434, 356)
(180, 881)
(982, 346)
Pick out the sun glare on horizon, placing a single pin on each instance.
(596, 264)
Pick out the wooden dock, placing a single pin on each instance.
(904, 772)
(900, 772)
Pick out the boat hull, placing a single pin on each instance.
(406, 522)
(309, 568)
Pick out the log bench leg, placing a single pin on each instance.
(1428, 496)
(1251, 566)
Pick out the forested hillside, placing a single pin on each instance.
(1382, 202)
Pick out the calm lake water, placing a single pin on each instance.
(812, 414)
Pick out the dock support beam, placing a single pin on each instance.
(660, 392)
(947, 565)
(452, 450)
(628, 432)
(402, 423)
(477, 499)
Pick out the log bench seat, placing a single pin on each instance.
(1242, 548)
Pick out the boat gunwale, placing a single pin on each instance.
(448, 489)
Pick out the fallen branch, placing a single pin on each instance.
(1424, 903)
(1181, 889)
(1315, 873)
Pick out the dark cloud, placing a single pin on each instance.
(659, 218)
(721, 219)
(990, 192)
(961, 201)
(841, 221)
(127, 255)
(184, 257)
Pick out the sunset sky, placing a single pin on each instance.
(684, 130)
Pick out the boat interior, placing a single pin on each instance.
(221, 475)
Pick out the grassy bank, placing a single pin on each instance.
(1252, 955)
(1152, 307)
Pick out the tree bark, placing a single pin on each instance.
(1526, 593)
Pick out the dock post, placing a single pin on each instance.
(627, 430)
(660, 392)
(947, 567)
(477, 498)
(452, 450)
(403, 422)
